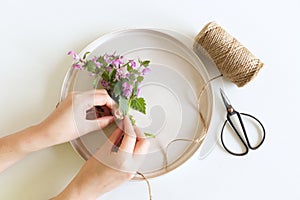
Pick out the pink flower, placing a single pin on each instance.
(74, 54)
(132, 63)
(146, 71)
(127, 89)
(108, 69)
(77, 66)
(98, 64)
(104, 84)
(138, 92)
(117, 62)
(108, 58)
(121, 73)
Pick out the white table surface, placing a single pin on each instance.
(35, 36)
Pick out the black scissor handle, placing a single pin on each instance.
(246, 143)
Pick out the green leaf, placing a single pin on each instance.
(145, 63)
(140, 78)
(112, 74)
(117, 89)
(90, 66)
(99, 71)
(135, 87)
(129, 68)
(85, 55)
(102, 61)
(132, 120)
(123, 105)
(149, 135)
(138, 104)
(105, 76)
(136, 71)
(132, 77)
(96, 81)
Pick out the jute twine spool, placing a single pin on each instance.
(233, 60)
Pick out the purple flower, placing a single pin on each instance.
(146, 71)
(138, 92)
(127, 89)
(108, 69)
(127, 75)
(98, 64)
(104, 83)
(108, 58)
(74, 54)
(116, 62)
(121, 73)
(77, 66)
(132, 63)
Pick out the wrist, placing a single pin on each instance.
(31, 139)
(15, 146)
(91, 182)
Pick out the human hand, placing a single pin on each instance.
(73, 117)
(67, 122)
(125, 149)
(107, 168)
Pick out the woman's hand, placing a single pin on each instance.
(110, 166)
(72, 118)
(66, 123)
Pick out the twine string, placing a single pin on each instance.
(148, 184)
(202, 136)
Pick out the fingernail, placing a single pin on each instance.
(118, 114)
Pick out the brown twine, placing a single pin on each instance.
(233, 59)
(148, 184)
(196, 140)
(200, 139)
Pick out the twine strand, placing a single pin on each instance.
(202, 136)
(148, 184)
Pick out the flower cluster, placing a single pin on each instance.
(120, 77)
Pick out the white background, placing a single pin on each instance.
(35, 36)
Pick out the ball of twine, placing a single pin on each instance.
(233, 59)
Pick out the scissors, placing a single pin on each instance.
(244, 140)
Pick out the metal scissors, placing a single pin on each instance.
(244, 140)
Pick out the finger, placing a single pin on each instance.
(128, 128)
(99, 91)
(142, 147)
(97, 124)
(138, 133)
(105, 121)
(114, 137)
(110, 145)
(128, 143)
(88, 99)
(129, 140)
(142, 144)
(101, 99)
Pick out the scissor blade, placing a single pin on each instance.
(225, 99)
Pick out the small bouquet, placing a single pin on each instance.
(120, 77)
